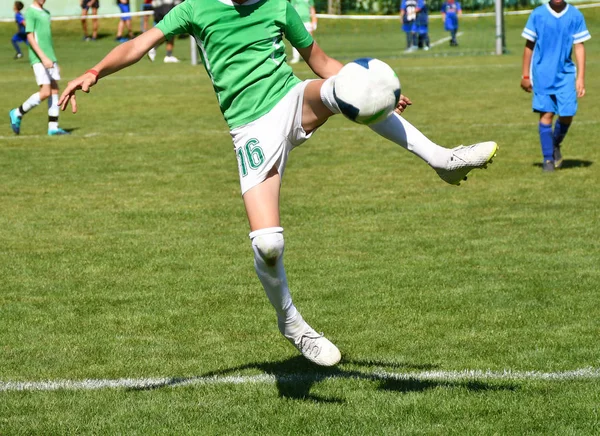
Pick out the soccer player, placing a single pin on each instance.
(21, 35)
(124, 22)
(269, 112)
(451, 10)
(146, 6)
(308, 15)
(422, 25)
(408, 15)
(161, 9)
(86, 5)
(45, 69)
(553, 31)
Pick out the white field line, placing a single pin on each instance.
(446, 39)
(442, 376)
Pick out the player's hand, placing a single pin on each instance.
(580, 87)
(84, 82)
(403, 103)
(47, 63)
(526, 85)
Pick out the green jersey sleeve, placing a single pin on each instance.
(30, 19)
(177, 21)
(295, 31)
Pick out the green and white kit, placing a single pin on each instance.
(244, 54)
(38, 22)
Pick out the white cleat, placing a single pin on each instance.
(464, 159)
(152, 54)
(171, 60)
(314, 346)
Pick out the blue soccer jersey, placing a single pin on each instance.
(451, 9)
(20, 20)
(554, 35)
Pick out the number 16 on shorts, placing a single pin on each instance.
(250, 156)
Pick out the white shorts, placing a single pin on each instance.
(266, 142)
(309, 27)
(43, 75)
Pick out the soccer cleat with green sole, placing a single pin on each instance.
(463, 159)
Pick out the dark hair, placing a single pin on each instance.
(19, 6)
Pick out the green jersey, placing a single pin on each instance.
(303, 9)
(242, 50)
(37, 21)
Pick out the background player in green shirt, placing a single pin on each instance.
(45, 68)
(308, 15)
(269, 112)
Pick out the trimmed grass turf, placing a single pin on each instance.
(124, 253)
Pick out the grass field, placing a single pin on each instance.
(129, 302)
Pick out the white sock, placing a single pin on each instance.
(327, 96)
(396, 129)
(29, 104)
(295, 54)
(274, 280)
(53, 112)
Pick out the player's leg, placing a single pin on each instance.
(84, 13)
(95, 24)
(129, 31)
(546, 106)
(561, 127)
(169, 58)
(15, 43)
(42, 78)
(120, 27)
(567, 108)
(546, 140)
(53, 111)
(452, 165)
(262, 148)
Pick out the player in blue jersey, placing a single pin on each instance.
(21, 35)
(408, 15)
(422, 25)
(451, 10)
(269, 112)
(553, 32)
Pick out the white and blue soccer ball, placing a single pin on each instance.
(367, 90)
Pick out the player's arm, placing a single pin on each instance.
(46, 62)
(527, 53)
(580, 61)
(120, 57)
(318, 61)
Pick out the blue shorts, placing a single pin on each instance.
(19, 37)
(563, 103)
(124, 10)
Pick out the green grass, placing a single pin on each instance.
(124, 254)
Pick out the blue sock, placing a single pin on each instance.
(16, 46)
(546, 141)
(560, 131)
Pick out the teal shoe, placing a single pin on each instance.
(15, 121)
(57, 132)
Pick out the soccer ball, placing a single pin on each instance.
(366, 90)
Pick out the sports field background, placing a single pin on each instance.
(124, 255)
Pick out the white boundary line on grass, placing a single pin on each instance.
(442, 376)
(446, 39)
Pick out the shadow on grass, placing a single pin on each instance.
(296, 376)
(570, 163)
